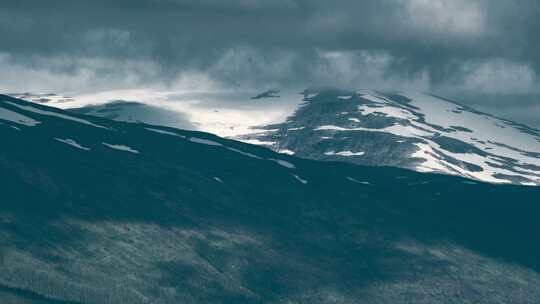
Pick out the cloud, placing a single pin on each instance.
(68, 73)
(245, 67)
(437, 45)
(367, 69)
(498, 76)
(443, 17)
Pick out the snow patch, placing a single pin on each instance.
(17, 118)
(344, 153)
(165, 132)
(390, 111)
(357, 181)
(303, 181)
(243, 153)
(434, 162)
(121, 148)
(258, 142)
(284, 163)
(396, 129)
(204, 141)
(373, 98)
(58, 115)
(72, 143)
(286, 151)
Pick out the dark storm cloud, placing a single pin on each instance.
(444, 45)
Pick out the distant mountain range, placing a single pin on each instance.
(137, 112)
(45, 98)
(417, 131)
(100, 211)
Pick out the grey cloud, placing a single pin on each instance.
(450, 46)
(195, 34)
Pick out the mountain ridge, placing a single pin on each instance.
(423, 133)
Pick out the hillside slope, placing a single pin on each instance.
(98, 211)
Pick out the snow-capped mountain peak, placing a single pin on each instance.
(414, 130)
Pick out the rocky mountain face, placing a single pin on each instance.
(417, 131)
(98, 211)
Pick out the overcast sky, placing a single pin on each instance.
(481, 52)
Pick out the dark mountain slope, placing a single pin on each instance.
(98, 211)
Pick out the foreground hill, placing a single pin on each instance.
(98, 211)
(417, 131)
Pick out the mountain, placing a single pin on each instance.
(225, 114)
(417, 131)
(98, 211)
(45, 98)
(131, 111)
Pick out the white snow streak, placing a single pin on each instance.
(344, 153)
(165, 132)
(303, 181)
(284, 163)
(204, 141)
(72, 143)
(121, 148)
